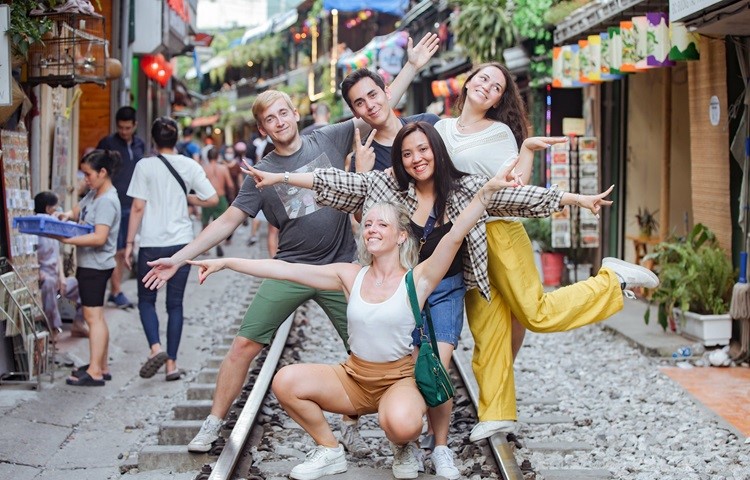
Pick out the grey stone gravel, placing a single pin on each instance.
(642, 425)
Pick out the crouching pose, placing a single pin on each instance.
(378, 376)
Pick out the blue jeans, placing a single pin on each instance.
(147, 299)
(446, 309)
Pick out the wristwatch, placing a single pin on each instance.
(286, 177)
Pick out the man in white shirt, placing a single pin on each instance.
(160, 210)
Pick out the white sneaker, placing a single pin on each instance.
(352, 440)
(630, 274)
(320, 461)
(487, 429)
(442, 460)
(405, 463)
(210, 429)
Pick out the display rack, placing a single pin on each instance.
(26, 330)
(575, 168)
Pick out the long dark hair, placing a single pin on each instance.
(446, 174)
(511, 110)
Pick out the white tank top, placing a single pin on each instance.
(380, 332)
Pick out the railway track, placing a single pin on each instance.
(260, 441)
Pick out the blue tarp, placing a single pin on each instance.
(393, 7)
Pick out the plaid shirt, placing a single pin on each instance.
(351, 192)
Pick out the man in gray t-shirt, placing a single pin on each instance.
(307, 234)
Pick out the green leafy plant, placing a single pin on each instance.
(539, 230)
(485, 28)
(647, 223)
(695, 275)
(24, 29)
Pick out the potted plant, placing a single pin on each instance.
(647, 223)
(696, 285)
(539, 231)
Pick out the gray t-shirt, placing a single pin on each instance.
(104, 210)
(308, 233)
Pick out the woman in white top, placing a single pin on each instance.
(491, 125)
(379, 374)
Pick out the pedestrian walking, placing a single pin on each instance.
(159, 189)
(131, 149)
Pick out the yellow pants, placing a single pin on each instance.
(515, 287)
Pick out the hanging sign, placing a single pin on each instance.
(657, 38)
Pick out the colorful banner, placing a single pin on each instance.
(684, 44)
(657, 37)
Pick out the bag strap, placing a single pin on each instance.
(174, 173)
(415, 310)
(429, 225)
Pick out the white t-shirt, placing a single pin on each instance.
(165, 220)
(480, 152)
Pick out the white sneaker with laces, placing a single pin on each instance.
(405, 463)
(487, 429)
(320, 461)
(442, 460)
(630, 274)
(208, 434)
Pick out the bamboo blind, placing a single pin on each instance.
(709, 144)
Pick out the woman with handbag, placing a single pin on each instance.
(436, 184)
(378, 376)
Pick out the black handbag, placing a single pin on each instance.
(433, 380)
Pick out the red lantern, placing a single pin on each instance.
(157, 68)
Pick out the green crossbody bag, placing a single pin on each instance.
(433, 380)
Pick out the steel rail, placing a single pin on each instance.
(235, 445)
(501, 449)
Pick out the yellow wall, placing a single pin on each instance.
(644, 150)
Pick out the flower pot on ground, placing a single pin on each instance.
(539, 231)
(696, 275)
(711, 330)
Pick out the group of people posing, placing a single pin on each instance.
(445, 210)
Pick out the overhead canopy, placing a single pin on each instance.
(215, 62)
(393, 7)
(277, 23)
(598, 15)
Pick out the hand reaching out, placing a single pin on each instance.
(262, 179)
(162, 270)
(594, 203)
(540, 143)
(207, 267)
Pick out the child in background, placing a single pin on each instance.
(52, 278)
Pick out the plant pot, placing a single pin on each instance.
(552, 268)
(711, 330)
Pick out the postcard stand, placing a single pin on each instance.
(27, 331)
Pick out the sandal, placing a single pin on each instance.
(153, 364)
(78, 371)
(85, 380)
(176, 375)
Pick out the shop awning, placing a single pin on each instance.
(392, 7)
(598, 15)
(713, 17)
(216, 62)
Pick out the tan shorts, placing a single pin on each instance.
(366, 382)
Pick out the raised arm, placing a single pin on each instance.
(417, 57)
(324, 277)
(334, 188)
(428, 274)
